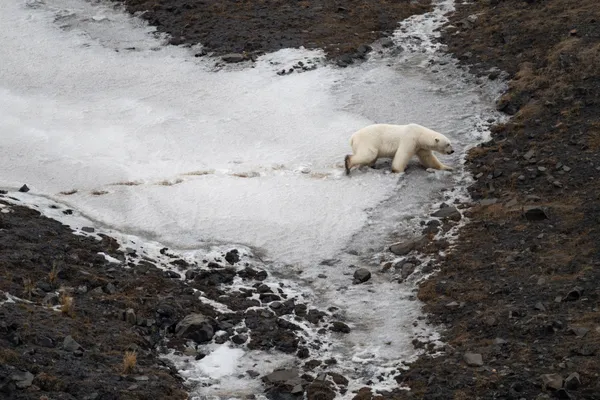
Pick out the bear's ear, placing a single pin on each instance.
(437, 140)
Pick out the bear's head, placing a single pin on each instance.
(442, 145)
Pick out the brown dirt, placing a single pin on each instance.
(263, 26)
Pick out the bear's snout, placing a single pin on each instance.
(450, 151)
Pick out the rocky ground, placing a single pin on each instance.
(517, 293)
(240, 30)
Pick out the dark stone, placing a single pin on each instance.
(362, 275)
(407, 270)
(403, 248)
(473, 359)
(339, 380)
(196, 327)
(320, 390)
(110, 288)
(190, 274)
(232, 256)
(24, 189)
(573, 381)
(239, 339)
(535, 214)
(450, 213)
(264, 288)
(387, 42)
(22, 379)
(233, 58)
(130, 316)
(252, 373)
(552, 381)
(50, 300)
(269, 297)
(69, 344)
(303, 353)
(281, 376)
(363, 50)
(171, 274)
(88, 229)
(261, 275)
(300, 309)
(574, 294)
(314, 316)
(338, 326)
(215, 276)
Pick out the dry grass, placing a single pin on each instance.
(129, 362)
(427, 291)
(246, 174)
(8, 356)
(593, 137)
(319, 175)
(69, 192)
(170, 183)
(67, 305)
(126, 183)
(53, 274)
(28, 287)
(200, 172)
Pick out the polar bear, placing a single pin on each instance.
(399, 142)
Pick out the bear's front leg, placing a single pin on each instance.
(401, 159)
(429, 160)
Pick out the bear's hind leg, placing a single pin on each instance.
(429, 160)
(365, 157)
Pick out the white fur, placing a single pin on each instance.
(399, 142)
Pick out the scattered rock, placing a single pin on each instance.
(320, 390)
(338, 379)
(450, 213)
(362, 275)
(363, 50)
(552, 381)
(578, 331)
(22, 379)
(110, 288)
(573, 381)
(407, 270)
(50, 300)
(289, 377)
(252, 373)
(338, 326)
(24, 189)
(233, 58)
(130, 316)
(403, 248)
(239, 339)
(387, 42)
(69, 344)
(535, 214)
(196, 327)
(488, 202)
(232, 256)
(303, 353)
(473, 359)
(574, 294)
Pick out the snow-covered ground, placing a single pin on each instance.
(148, 140)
